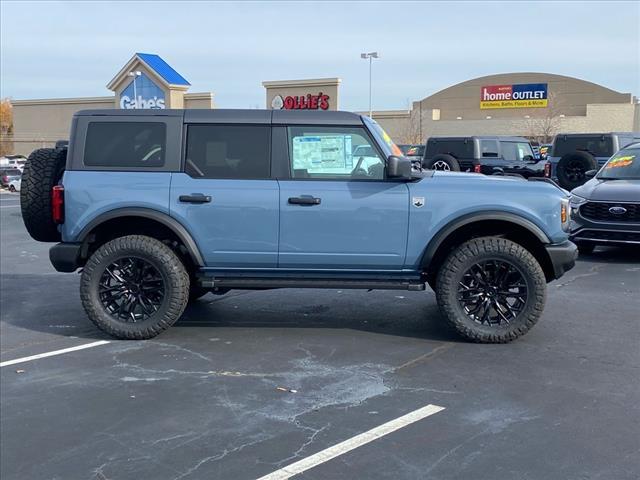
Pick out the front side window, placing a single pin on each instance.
(334, 153)
(125, 144)
(516, 151)
(228, 151)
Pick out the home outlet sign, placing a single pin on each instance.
(301, 102)
(142, 93)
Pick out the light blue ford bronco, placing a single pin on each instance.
(159, 207)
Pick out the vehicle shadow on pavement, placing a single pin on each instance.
(630, 254)
(50, 304)
(404, 314)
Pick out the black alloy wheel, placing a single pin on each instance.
(131, 289)
(492, 292)
(134, 287)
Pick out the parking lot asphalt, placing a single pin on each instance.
(250, 382)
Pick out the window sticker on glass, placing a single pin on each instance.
(622, 161)
(322, 153)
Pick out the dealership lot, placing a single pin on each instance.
(250, 383)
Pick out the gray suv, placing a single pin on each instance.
(574, 154)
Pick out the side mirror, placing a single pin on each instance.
(528, 158)
(590, 173)
(398, 167)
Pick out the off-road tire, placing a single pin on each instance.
(582, 161)
(484, 248)
(442, 157)
(586, 248)
(42, 171)
(171, 268)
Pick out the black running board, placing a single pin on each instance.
(265, 283)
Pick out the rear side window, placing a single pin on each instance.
(125, 144)
(228, 151)
(456, 148)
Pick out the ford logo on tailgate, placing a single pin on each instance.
(617, 210)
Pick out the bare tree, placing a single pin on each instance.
(545, 126)
(410, 132)
(6, 127)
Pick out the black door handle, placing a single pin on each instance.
(304, 201)
(195, 198)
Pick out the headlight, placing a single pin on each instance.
(565, 214)
(575, 201)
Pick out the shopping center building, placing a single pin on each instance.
(536, 105)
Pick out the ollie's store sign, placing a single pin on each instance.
(301, 102)
(524, 95)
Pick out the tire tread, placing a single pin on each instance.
(176, 271)
(446, 283)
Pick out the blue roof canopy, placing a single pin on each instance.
(163, 69)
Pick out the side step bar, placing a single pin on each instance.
(265, 283)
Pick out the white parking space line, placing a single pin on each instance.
(53, 353)
(352, 443)
(10, 206)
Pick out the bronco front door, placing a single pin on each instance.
(337, 210)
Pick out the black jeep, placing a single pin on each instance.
(488, 155)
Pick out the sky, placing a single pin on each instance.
(70, 49)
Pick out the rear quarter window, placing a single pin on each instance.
(456, 148)
(125, 144)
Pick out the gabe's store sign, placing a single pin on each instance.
(301, 102)
(524, 95)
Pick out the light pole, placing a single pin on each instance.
(370, 56)
(135, 75)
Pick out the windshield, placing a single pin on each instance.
(415, 151)
(624, 165)
(383, 138)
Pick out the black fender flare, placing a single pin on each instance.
(452, 226)
(174, 225)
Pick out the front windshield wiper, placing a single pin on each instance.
(618, 178)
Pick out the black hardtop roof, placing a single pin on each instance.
(597, 134)
(481, 137)
(253, 116)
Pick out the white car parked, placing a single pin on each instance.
(14, 185)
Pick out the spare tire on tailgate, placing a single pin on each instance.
(442, 161)
(572, 167)
(43, 170)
